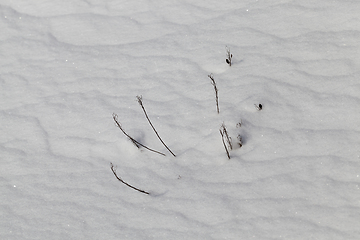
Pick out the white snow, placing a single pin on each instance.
(67, 66)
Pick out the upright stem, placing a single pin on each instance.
(211, 76)
(143, 108)
(222, 138)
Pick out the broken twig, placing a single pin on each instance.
(113, 169)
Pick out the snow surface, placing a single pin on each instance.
(67, 66)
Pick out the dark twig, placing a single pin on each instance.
(228, 55)
(113, 169)
(222, 138)
(211, 76)
(228, 139)
(115, 117)
(139, 98)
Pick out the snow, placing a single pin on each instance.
(67, 66)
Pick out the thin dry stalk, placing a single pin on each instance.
(139, 98)
(228, 139)
(222, 138)
(118, 124)
(113, 169)
(229, 56)
(211, 76)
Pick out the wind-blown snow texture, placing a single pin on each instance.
(67, 66)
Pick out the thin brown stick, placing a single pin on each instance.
(139, 98)
(113, 169)
(228, 139)
(222, 138)
(115, 117)
(211, 76)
